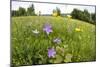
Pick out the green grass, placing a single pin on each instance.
(29, 49)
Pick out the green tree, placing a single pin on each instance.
(86, 15)
(54, 11)
(21, 11)
(93, 16)
(31, 10)
(58, 11)
(75, 13)
(15, 13)
(83, 15)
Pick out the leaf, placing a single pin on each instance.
(65, 46)
(40, 62)
(80, 37)
(51, 61)
(41, 56)
(58, 59)
(68, 58)
(60, 50)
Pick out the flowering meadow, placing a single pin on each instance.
(37, 40)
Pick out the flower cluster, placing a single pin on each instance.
(53, 51)
(47, 28)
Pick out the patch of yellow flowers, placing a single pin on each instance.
(77, 29)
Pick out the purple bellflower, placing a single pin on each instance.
(47, 28)
(51, 52)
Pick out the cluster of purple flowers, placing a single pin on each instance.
(48, 29)
(51, 51)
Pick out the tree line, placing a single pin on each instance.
(22, 12)
(76, 13)
(84, 15)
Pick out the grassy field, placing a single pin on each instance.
(77, 40)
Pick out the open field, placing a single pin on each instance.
(77, 40)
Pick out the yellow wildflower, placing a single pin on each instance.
(77, 29)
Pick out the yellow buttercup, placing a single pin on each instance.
(77, 29)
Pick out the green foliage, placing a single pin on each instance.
(31, 10)
(22, 11)
(58, 11)
(15, 13)
(93, 15)
(86, 16)
(83, 15)
(31, 49)
(68, 58)
(62, 55)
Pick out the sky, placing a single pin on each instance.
(47, 8)
(91, 2)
